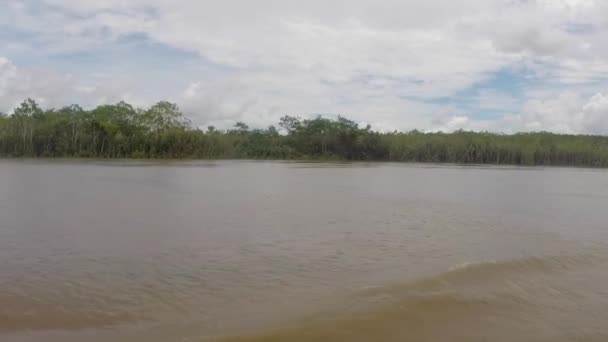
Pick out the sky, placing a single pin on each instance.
(496, 65)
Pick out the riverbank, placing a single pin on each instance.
(162, 132)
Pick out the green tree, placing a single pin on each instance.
(164, 115)
(290, 124)
(24, 118)
(161, 131)
(240, 128)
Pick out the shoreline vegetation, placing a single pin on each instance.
(162, 132)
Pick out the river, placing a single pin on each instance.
(293, 251)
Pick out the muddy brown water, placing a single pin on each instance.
(288, 251)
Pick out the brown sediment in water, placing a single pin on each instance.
(20, 313)
(391, 253)
(491, 301)
(418, 319)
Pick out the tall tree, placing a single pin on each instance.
(24, 117)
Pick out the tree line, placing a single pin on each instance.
(162, 131)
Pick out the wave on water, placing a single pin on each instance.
(20, 312)
(484, 301)
(495, 300)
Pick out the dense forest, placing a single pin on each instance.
(161, 131)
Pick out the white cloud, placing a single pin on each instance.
(15, 85)
(368, 60)
(7, 73)
(52, 89)
(564, 112)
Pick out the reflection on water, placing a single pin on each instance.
(188, 251)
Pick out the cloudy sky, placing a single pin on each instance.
(499, 65)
